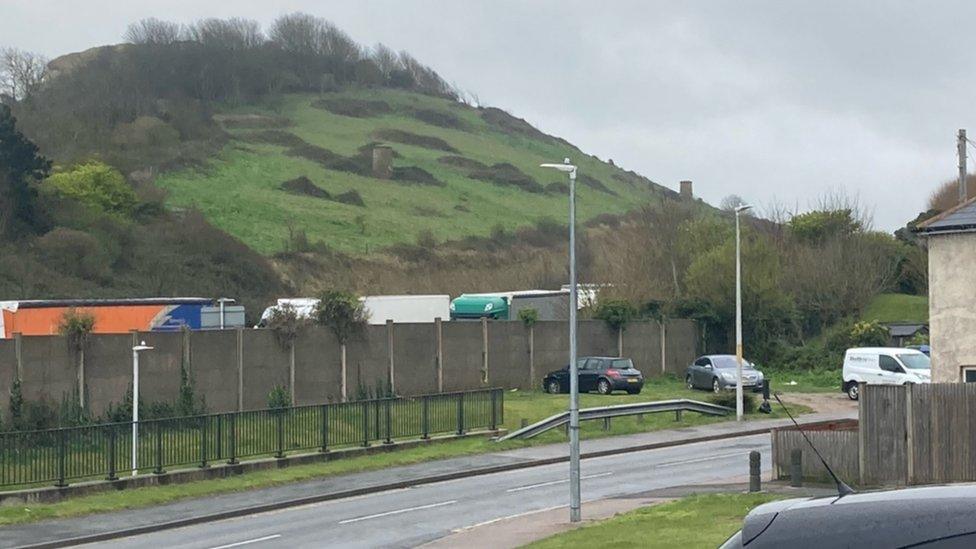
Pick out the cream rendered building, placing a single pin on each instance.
(951, 238)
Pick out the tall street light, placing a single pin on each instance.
(135, 404)
(738, 313)
(574, 445)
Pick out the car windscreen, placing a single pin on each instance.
(622, 364)
(916, 361)
(728, 362)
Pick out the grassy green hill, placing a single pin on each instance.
(450, 179)
(898, 308)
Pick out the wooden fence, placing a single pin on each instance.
(913, 434)
(839, 448)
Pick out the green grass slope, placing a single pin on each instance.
(898, 308)
(240, 189)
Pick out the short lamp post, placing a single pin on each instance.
(135, 404)
(574, 444)
(738, 314)
(223, 301)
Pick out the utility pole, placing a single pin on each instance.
(963, 191)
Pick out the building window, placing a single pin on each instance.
(969, 374)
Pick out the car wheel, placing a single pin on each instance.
(604, 387)
(853, 391)
(716, 388)
(689, 383)
(552, 387)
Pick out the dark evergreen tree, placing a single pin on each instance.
(20, 165)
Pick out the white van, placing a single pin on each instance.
(884, 366)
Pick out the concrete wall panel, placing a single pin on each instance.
(213, 364)
(415, 355)
(462, 355)
(318, 376)
(8, 373)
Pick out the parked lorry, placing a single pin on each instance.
(549, 304)
(119, 316)
(379, 308)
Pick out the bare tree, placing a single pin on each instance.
(153, 31)
(297, 33)
(21, 73)
(232, 34)
(731, 202)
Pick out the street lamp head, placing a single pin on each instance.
(566, 168)
(142, 347)
(742, 208)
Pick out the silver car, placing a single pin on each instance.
(717, 372)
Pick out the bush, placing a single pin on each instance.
(616, 313)
(342, 313)
(869, 334)
(76, 326)
(279, 398)
(727, 399)
(96, 184)
(286, 324)
(528, 317)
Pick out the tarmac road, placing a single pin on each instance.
(413, 516)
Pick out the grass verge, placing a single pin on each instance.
(694, 521)
(531, 405)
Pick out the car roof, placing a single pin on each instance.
(872, 350)
(886, 518)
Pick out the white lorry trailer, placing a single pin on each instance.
(379, 308)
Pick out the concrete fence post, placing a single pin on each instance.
(484, 350)
(796, 468)
(185, 348)
(240, 368)
(532, 381)
(19, 353)
(664, 346)
(389, 346)
(439, 335)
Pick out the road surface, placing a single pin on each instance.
(412, 516)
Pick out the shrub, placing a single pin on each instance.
(96, 184)
(727, 399)
(279, 398)
(342, 313)
(16, 405)
(528, 317)
(869, 334)
(76, 326)
(286, 324)
(616, 313)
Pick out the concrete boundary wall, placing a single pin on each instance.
(235, 369)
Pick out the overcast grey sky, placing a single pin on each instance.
(775, 101)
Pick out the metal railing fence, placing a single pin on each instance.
(104, 451)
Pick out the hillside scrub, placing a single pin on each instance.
(803, 279)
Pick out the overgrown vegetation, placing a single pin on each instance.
(342, 313)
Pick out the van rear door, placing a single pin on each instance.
(862, 367)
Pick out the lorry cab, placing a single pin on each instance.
(476, 306)
(884, 366)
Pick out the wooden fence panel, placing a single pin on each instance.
(839, 448)
(943, 423)
(883, 435)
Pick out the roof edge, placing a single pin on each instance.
(923, 225)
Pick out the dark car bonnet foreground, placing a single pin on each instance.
(930, 517)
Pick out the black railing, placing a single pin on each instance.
(105, 450)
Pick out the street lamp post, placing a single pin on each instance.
(223, 301)
(574, 446)
(738, 314)
(135, 404)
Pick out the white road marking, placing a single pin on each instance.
(247, 542)
(550, 483)
(500, 519)
(398, 511)
(698, 460)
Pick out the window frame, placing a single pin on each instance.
(963, 370)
